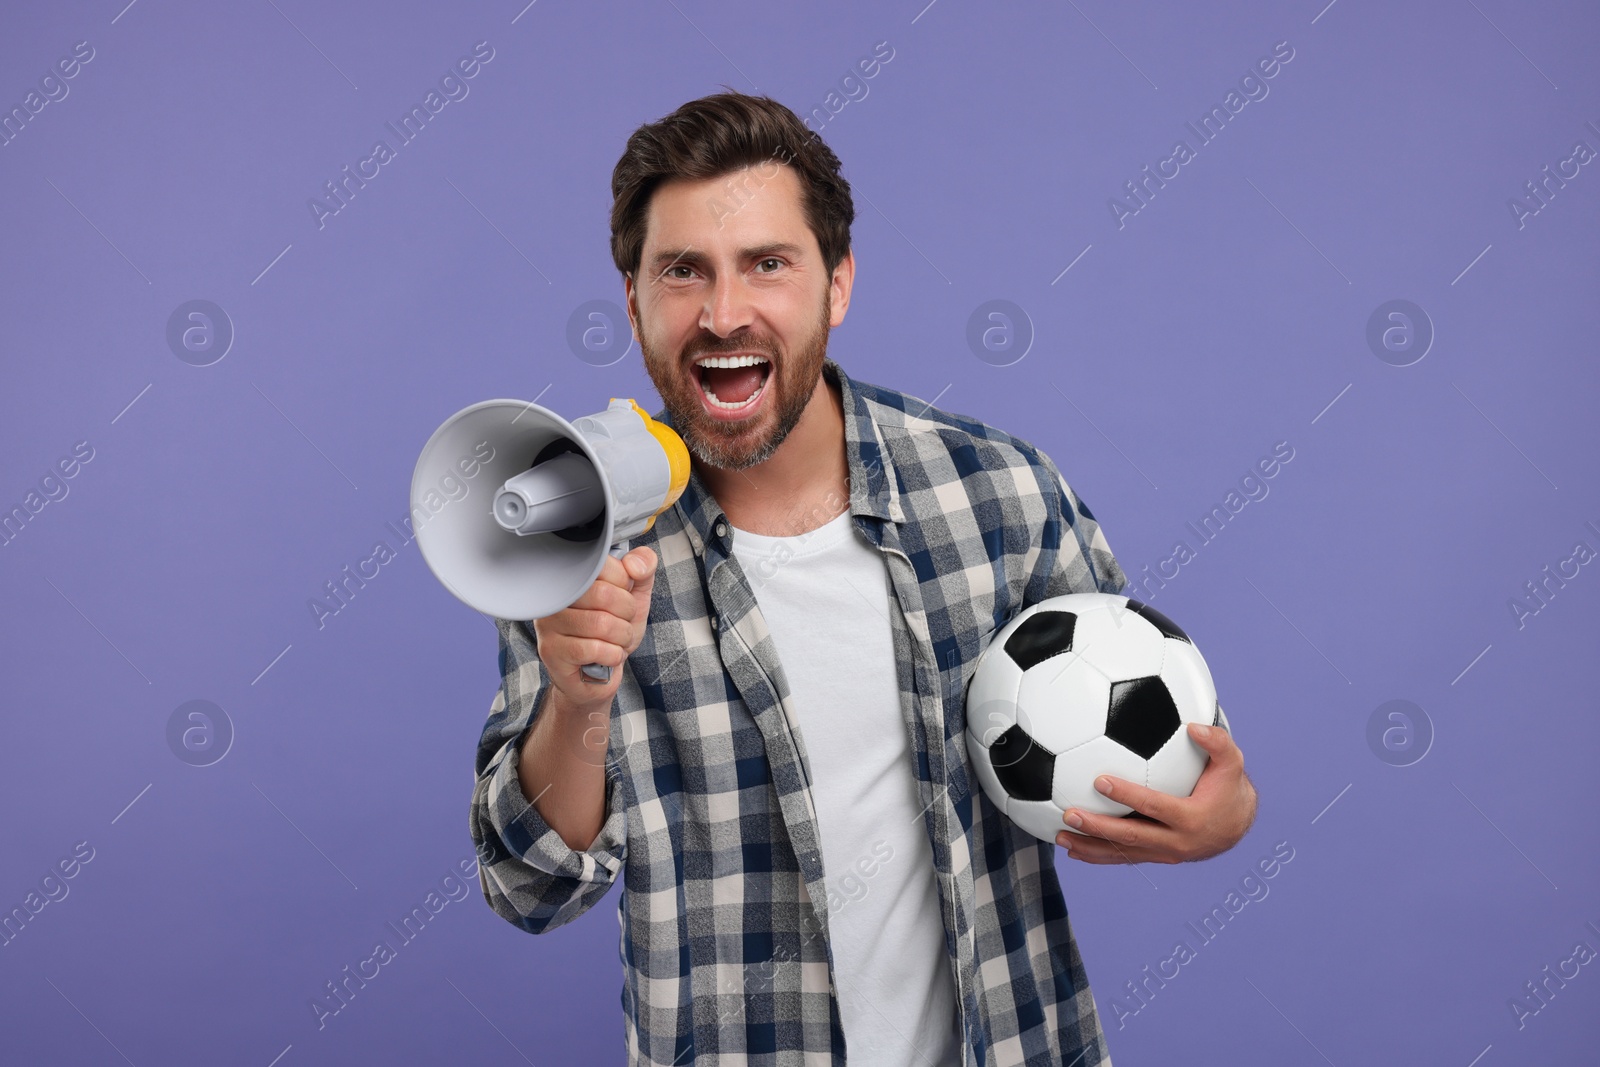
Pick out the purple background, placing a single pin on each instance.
(1227, 315)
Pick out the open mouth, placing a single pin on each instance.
(733, 383)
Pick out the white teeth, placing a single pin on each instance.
(729, 362)
(725, 405)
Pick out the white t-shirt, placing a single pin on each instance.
(825, 596)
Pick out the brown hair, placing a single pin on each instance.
(716, 135)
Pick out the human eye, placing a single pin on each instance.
(778, 263)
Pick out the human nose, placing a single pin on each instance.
(728, 307)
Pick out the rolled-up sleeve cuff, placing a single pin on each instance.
(525, 834)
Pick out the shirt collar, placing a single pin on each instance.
(873, 487)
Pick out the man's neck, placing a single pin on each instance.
(805, 483)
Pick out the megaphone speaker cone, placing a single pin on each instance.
(501, 573)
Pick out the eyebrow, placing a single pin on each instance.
(691, 257)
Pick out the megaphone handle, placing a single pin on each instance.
(599, 672)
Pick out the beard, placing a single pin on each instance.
(733, 446)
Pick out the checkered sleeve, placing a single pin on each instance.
(529, 876)
(1084, 562)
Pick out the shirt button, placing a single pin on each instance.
(713, 622)
(722, 529)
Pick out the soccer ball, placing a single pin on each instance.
(1082, 685)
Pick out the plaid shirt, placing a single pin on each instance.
(710, 823)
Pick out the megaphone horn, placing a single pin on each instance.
(563, 495)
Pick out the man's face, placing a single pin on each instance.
(731, 274)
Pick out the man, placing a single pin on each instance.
(778, 769)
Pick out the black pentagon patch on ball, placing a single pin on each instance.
(1167, 627)
(1042, 635)
(1026, 769)
(1142, 716)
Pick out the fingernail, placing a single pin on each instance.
(1202, 732)
(1074, 820)
(1104, 785)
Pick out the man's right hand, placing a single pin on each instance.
(605, 625)
(565, 751)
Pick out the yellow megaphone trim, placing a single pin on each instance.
(677, 458)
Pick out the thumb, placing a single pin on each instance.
(643, 572)
(640, 564)
(1216, 740)
(641, 567)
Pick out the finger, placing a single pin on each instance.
(1223, 772)
(581, 651)
(640, 563)
(572, 636)
(642, 594)
(609, 597)
(1084, 854)
(643, 589)
(1135, 837)
(1162, 807)
(612, 572)
(1218, 743)
(1109, 828)
(1093, 850)
(600, 625)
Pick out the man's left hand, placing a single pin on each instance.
(1165, 828)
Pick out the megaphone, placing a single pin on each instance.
(561, 495)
